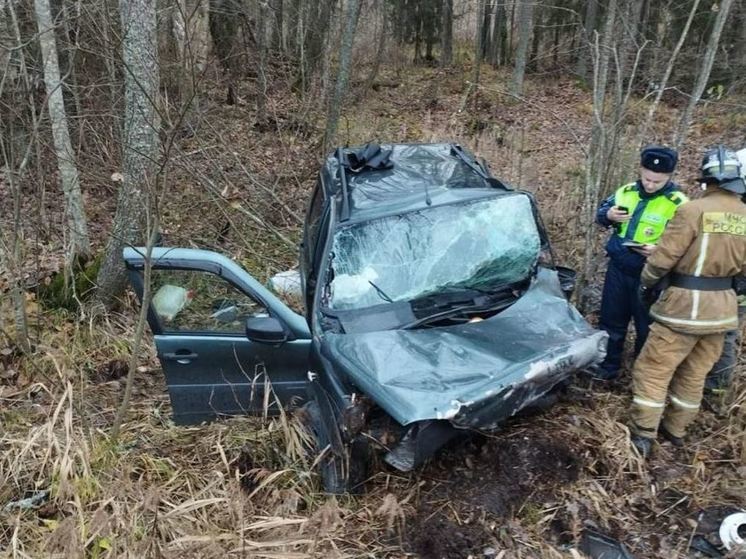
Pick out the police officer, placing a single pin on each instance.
(638, 212)
(702, 250)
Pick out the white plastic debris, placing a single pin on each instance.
(348, 288)
(169, 300)
(286, 283)
(729, 530)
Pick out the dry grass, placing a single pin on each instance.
(246, 488)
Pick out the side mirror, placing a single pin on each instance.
(265, 330)
(567, 278)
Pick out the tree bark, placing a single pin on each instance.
(278, 33)
(190, 26)
(343, 73)
(78, 243)
(380, 48)
(538, 28)
(704, 73)
(478, 45)
(596, 160)
(446, 34)
(140, 143)
(11, 255)
(589, 26)
(525, 23)
(499, 49)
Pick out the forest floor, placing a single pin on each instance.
(244, 487)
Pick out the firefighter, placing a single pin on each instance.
(720, 377)
(699, 255)
(638, 212)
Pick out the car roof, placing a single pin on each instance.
(420, 175)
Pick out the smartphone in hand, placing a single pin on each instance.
(623, 209)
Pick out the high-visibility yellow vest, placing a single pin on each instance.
(648, 226)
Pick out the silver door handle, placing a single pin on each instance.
(180, 357)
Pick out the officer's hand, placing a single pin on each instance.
(615, 215)
(647, 296)
(645, 250)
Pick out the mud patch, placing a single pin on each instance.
(434, 536)
(477, 483)
(503, 473)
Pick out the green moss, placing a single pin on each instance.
(62, 294)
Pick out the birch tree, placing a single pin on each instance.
(343, 73)
(190, 25)
(140, 143)
(77, 241)
(704, 73)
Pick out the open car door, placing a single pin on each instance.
(227, 345)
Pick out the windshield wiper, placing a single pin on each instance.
(381, 293)
(492, 306)
(449, 303)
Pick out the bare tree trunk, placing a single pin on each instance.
(191, 26)
(538, 30)
(78, 243)
(343, 73)
(264, 37)
(589, 27)
(140, 143)
(446, 34)
(666, 75)
(499, 47)
(740, 48)
(11, 255)
(596, 160)
(478, 45)
(525, 23)
(380, 48)
(704, 73)
(278, 33)
(6, 46)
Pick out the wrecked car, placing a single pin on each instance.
(432, 307)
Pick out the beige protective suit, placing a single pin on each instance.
(706, 239)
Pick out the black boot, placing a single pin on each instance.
(678, 442)
(643, 445)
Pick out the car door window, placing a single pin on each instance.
(198, 301)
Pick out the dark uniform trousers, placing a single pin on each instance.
(619, 304)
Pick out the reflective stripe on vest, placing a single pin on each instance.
(653, 216)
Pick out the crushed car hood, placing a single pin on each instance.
(475, 374)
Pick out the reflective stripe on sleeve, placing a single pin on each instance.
(682, 403)
(647, 403)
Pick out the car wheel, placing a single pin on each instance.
(340, 474)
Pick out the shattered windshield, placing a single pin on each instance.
(480, 245)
